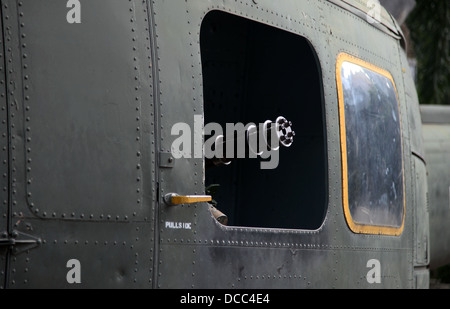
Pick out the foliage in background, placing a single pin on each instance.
(429, 24)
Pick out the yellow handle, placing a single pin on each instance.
(174, 199)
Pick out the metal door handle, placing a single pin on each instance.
(173, 199)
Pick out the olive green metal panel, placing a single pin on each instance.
(92, 105)
(111, 256)
(421, 215)
(82, 143)
(412, 107)
(89, 124)
(4, 157)
(212, 255)
(420, 203)
(422, 278)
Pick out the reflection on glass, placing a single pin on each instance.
(374, 153)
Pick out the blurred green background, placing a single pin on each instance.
(426, 25)
(429, 27)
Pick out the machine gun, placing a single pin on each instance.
(244, 144)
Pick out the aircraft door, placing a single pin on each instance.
(78, 172)
(213, 82)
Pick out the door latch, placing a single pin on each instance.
(173, 199)
(19, 242)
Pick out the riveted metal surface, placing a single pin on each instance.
(12, 57)
(90, 108)
(4, 158)
(419, 194)
(94, 118)
(412, 106)
(92, 245)
(208, 246)
(82, 142)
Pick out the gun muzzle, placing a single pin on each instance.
(274, 134)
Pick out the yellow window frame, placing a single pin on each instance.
(354, 226)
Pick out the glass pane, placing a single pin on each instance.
(374, 150)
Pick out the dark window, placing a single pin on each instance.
(372, 148)
(252, 73)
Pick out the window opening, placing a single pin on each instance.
(251, 73)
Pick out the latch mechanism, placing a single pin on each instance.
(173, 199)
(18, 242)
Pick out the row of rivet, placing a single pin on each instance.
(12, 100)
(134, 19)
(137, 99)
(11, 84)
(26, 104)
(4, 156)
(4, 143)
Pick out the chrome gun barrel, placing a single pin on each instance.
(268, 137)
